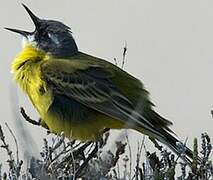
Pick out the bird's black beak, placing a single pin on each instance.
(35, 20)
(23, 33)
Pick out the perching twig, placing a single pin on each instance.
(28, 119)
(14, 167)
(90, 156)
(15, 140)
(124, 54)
(120, 150)
(138, 170)
(31, 121)
(182, 147)
(6, 146)
(212, 113)
(115, 60)
(130, 155)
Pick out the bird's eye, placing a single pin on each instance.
(53, 37)
(49, 35)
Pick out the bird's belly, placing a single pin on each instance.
(87, 129)
(77, 121)
(84, 131)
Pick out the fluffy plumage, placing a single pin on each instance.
(82, 95)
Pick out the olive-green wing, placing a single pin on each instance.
(132, 88)
(92, 85)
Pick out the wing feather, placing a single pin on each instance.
(92, 86)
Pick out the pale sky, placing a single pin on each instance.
(170, 48)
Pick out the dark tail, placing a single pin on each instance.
(167, 136)
(172, 143)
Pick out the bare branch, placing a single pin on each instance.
(124, 54)
(16, 143)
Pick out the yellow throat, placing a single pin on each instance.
(27, 73)
(25, 64)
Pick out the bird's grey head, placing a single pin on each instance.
(50, 36)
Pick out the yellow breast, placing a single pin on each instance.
(27, 73)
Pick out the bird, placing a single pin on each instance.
(82, 95)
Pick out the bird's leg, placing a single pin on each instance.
(40, 122)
